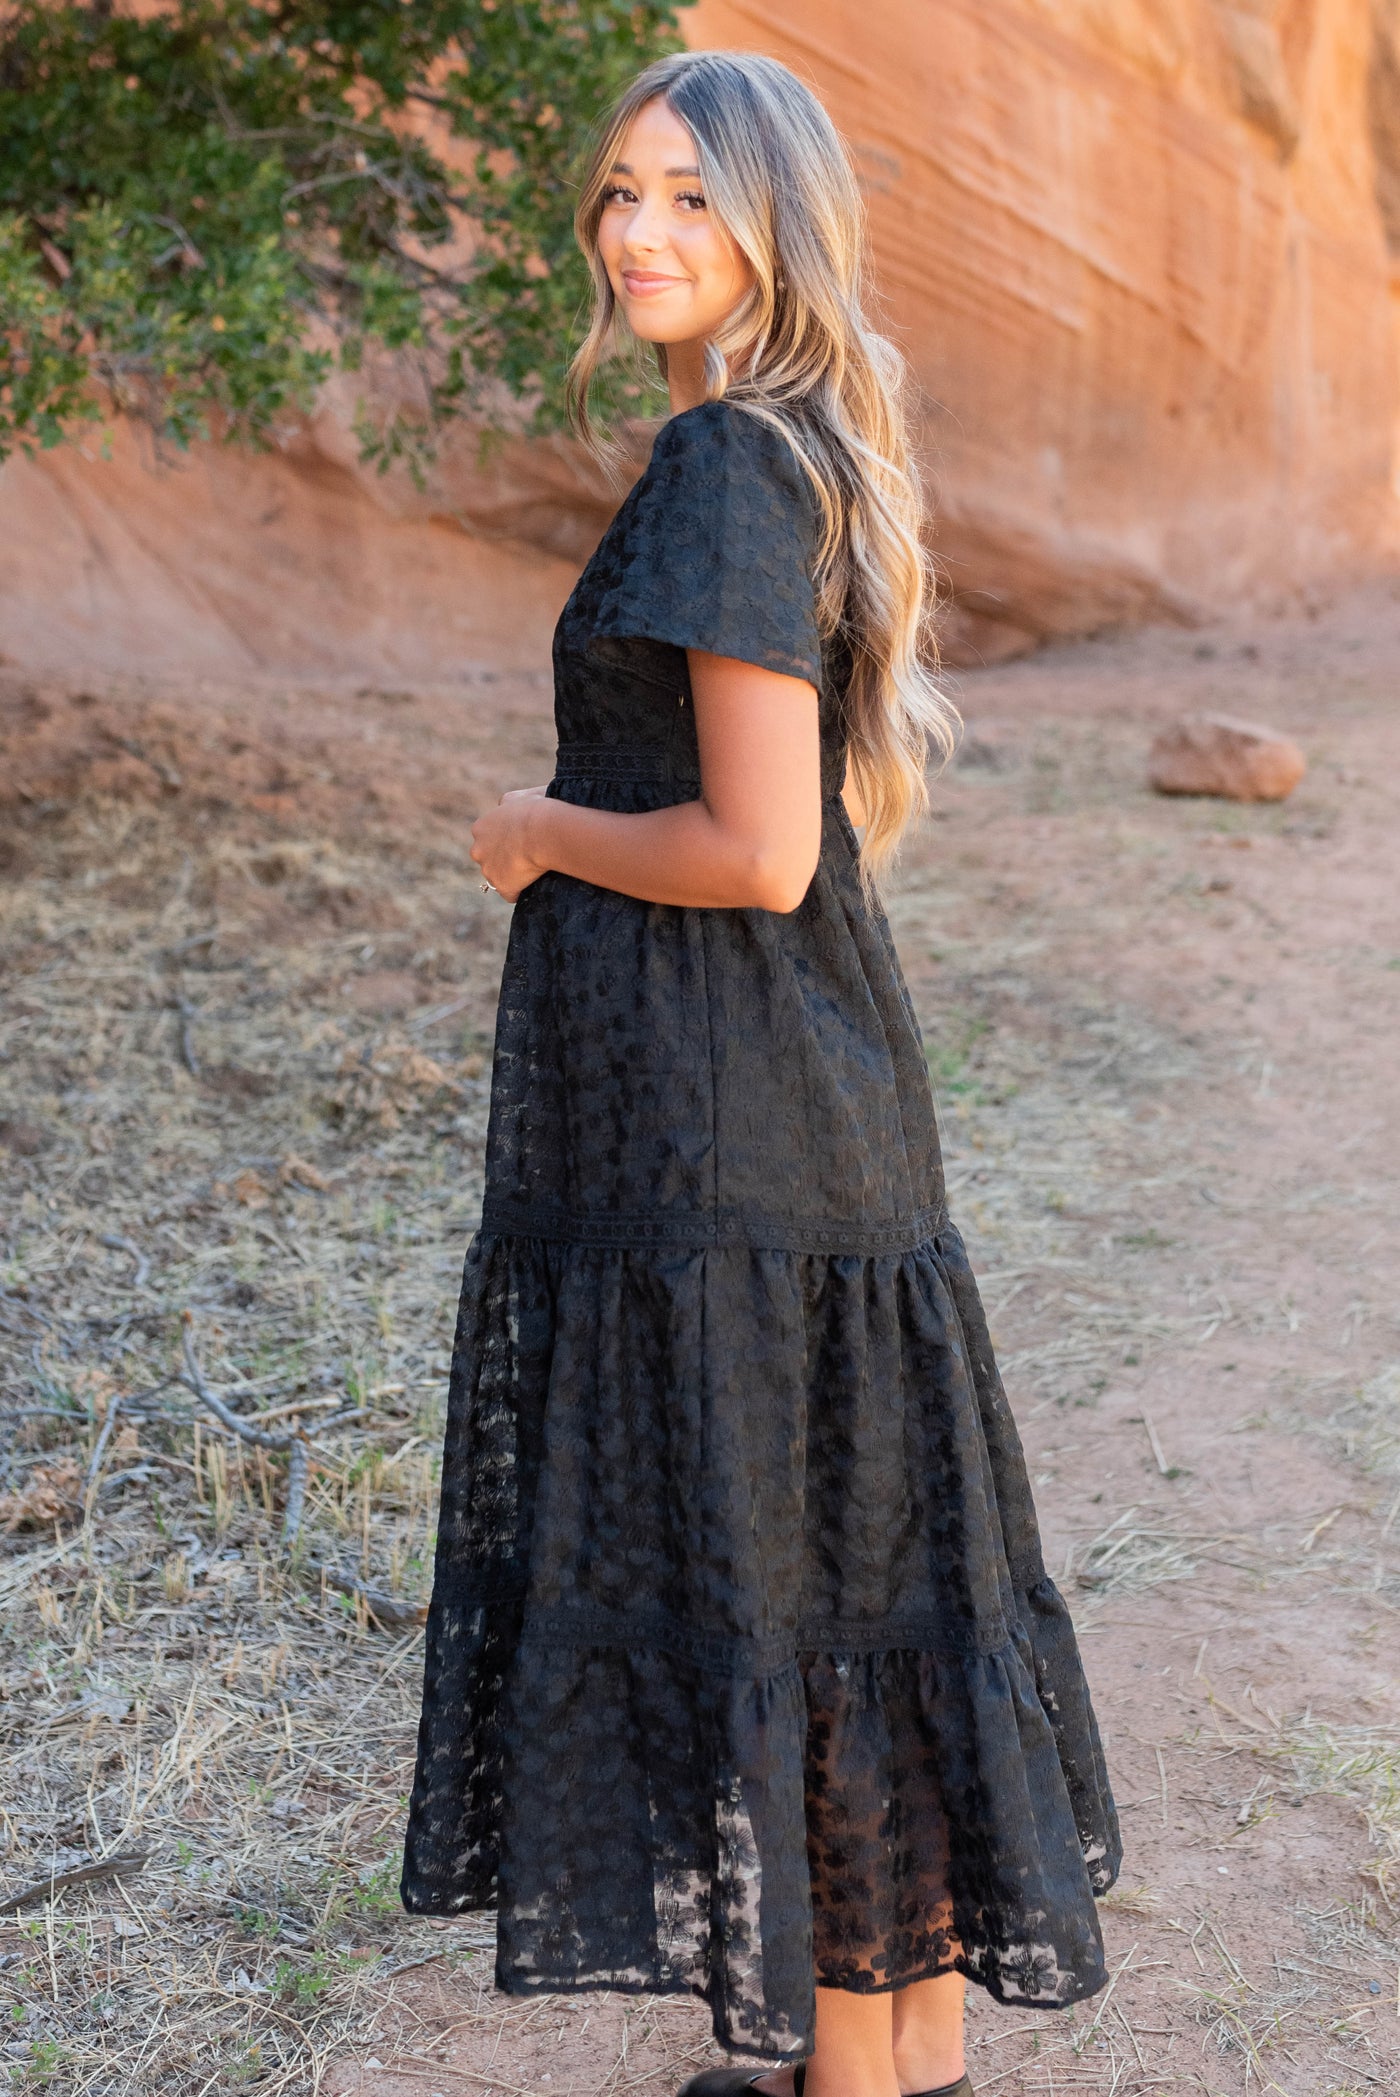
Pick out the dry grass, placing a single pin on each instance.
(1129, 1557)
(1367, 1425)
(1360, 1765)
(1337, 1996)
(243, 1075)
(1362, 1427)
(1332, 1994)
(257, 1760)
(198, 1119)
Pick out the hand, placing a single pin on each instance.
(500, 843)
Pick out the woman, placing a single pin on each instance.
(743, 1675)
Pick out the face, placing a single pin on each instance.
(673, 273)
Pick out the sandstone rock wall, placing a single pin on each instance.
(294, 561)
(1139, 252)
(225, 562)
(1136, 252)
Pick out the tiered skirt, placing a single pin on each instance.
(743, 1671)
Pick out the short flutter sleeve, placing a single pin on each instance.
(719, 547)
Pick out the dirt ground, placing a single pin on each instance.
(243, 1069)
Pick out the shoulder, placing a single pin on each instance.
(717, 550)
(728, 447)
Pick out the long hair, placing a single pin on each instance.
(799, 352)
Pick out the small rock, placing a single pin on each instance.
(25, 1138)
(1238, 760)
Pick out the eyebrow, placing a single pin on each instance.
(620, 167)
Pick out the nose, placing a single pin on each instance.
(646, 231)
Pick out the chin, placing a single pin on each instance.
(650, 327)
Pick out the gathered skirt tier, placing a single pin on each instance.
(743, 1671)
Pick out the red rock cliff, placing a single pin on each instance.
(1136, 251)
(1139, 252)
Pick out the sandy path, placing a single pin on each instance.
(1163, 1034)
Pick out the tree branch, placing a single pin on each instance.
(193, 1380)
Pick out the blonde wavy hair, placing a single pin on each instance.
(799, 352)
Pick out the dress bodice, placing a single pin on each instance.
(714, 548)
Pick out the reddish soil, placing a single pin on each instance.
(1163, 1033)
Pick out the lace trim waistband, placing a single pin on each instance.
(719, 1228)
(653, 767)
(607, 761)
(655, 1630)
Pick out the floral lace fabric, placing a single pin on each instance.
(743, 1671)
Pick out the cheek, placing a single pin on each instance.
(720, 275)
(610, 246)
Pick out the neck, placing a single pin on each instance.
(685, 375)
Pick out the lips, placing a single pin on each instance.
(642, 283)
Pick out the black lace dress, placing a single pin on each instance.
(743, 1669)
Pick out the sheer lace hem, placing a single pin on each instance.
(857, 1821)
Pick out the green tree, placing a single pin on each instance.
(205, 210)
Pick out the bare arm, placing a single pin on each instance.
(751, 841)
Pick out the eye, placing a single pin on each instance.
(618, 193)
(691, 199)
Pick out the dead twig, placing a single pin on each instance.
(194, 1380)
(1162, 1465)
(293, 1443)
(115, 1243)
(98, 1452)
(350, 1419)
(122, 1865)
(293, 1406)
(181, 1004)
(390, 1610)
(298, 1467)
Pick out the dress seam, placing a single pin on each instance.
(719, 1229)
(552, 1628)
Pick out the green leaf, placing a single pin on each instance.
(204, 210)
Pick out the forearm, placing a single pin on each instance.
(679, 855)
